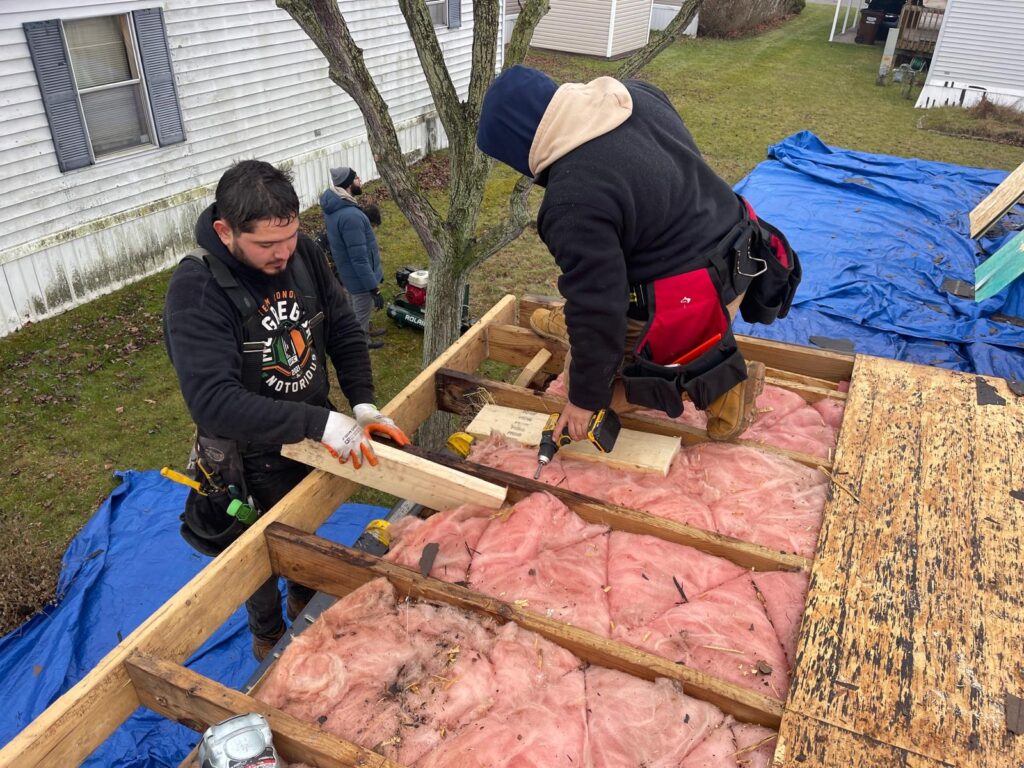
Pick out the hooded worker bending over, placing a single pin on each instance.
(657, 252)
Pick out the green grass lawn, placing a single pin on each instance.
(91, 391)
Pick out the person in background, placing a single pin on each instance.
(353, 246)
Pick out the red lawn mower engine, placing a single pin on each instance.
(409, 307)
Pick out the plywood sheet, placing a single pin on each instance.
(805, 742)
(912, 630)
(633, 450)
(995, 206)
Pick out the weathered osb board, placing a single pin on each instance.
(912, 634)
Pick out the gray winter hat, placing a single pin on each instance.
(342, 176)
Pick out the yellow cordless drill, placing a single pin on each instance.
(602, 432)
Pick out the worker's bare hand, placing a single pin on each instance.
(576, 420)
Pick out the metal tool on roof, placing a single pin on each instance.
(243, 741)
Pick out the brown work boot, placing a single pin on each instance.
(731, 414)
(262, 646)
(550, 324)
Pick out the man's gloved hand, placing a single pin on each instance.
(378, 300)
(374, 422)
(345, 438)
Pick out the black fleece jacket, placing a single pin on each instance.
(630, 206)
(203, 334)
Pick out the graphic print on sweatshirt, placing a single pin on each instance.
(290, 363)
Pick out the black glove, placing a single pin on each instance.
(378, 300)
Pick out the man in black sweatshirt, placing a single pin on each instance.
(657, 252)
(250, 321)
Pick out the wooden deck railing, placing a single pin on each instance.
(919, 28)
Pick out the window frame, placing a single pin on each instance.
(126, 22)
(443, 4)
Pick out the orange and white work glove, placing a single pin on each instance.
(376, 423)
(345, 439)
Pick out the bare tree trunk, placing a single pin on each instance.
(632, 66)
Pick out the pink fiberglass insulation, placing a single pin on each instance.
(784, 595)
(456, 533)
(724, 632)
(731, 489)
(733, 745)
(636, 723)
(644, 571)
(784, 420)
(673, 600)
(546, 558)
(430, 686)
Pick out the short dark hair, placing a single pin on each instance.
(372, 213)
(252, 190)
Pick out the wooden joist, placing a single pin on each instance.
(338, 570)
(463, 394)
(532, 368)
(404, 475)
(198, 702)
(997, 203)
(618, 518)
(637, 451)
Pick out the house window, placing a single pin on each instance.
(108, 79)
(438, 12)
(106, 83)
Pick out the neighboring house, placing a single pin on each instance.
(978, 53)
(663, 12)
(606, 28)
(119, 116)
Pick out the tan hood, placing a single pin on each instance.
(578, 112)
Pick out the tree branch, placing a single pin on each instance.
(323, 22)
(530, 14)
(500, 235)
(428, 49)
(485, 49)
(656, 45)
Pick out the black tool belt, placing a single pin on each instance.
(687, 344)
(205, 523)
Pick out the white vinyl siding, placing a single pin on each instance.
(576, 26)
(632, 26)
(250, 83)
(978, 50)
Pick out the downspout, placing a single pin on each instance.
(611, 30)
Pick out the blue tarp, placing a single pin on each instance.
(123, 565)
(877, 236)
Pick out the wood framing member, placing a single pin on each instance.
(532, 368)
(80, 720)
(463, 393)
(743, 553)
(198, 702)
(338, 570)
(637, 451)
(816, 363)
(998, 203)
(404, 475)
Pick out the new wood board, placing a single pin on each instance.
(633, 450)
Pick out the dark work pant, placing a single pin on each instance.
(269, 477)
